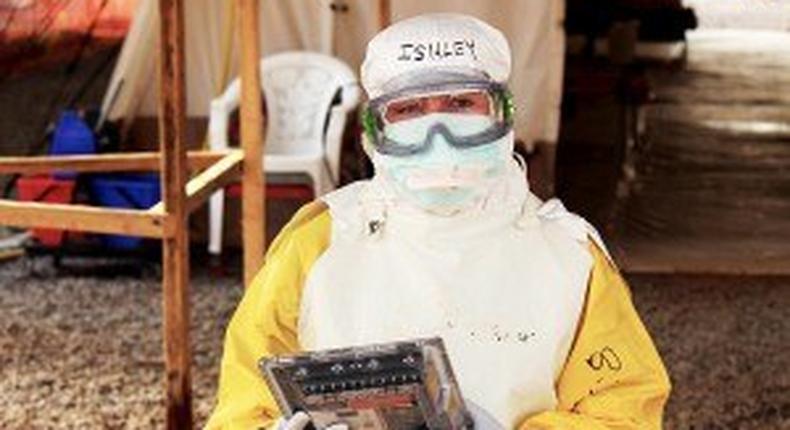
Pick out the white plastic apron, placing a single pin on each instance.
(504, 288)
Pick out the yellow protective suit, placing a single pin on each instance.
(613, 377)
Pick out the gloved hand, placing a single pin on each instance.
(299, 421)
(483, 420)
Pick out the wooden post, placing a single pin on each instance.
(385, 13)
(253, 187)
(175, 249)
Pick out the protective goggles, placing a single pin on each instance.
(488, 107)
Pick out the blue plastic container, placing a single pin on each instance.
(72, 136)
(129, 191)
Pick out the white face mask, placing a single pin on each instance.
(445, 180)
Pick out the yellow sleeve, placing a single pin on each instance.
(265, 322)
(614, 377)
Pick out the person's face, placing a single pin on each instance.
(464, 102)
(443, 150)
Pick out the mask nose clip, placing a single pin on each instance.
(438, 129)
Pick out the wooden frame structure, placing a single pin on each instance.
(168, 219)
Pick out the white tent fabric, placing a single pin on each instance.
(534, 30)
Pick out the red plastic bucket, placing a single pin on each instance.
(49, 190)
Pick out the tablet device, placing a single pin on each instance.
(395, 386)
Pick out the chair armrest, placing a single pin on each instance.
(350, 96)
(338, 115)
(219, 115)
(334, 140)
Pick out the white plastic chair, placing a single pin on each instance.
(308, 96)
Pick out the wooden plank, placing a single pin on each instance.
(385, 14)
(119, 162)
(199, 188)
(175, 249)
(84, 218)
(225, 171)
(253, 212)
(9, 254)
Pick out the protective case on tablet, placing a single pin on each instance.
(396, 386)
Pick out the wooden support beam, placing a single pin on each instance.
(118, 162)
(385, 14)
(222, 173)
(253, 220)
(175, 249)
(200, 187)
(84, 218)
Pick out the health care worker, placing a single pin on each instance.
(447, 240)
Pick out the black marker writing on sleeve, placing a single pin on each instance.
(605, 358)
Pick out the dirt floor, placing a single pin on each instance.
(715, 144)
(704, 185)
(85, 352)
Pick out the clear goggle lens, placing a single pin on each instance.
(473, 102)
(399, 131)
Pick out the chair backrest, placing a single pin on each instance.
(300, 89)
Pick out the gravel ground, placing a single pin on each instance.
(715, 144)
(81, 352)
(85, 352)
(726, 343)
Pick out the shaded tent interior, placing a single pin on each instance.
(699, 181)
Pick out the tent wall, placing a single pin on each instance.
(534, 29)
(211, 51)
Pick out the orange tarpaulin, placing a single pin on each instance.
(36, 31)
(51, 18)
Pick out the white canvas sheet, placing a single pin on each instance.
(533, 27)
